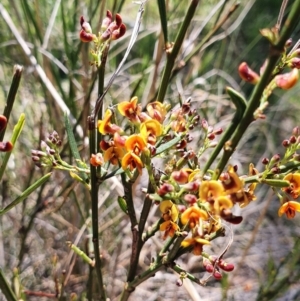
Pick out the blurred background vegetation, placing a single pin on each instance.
(33, 235)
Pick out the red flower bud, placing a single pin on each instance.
(265, 161)
(107, 20)
(164, 189)
(190, 198)
(204, 124)
(6, 146)
(293, 139)
(180, 176)
(3, 122)
(218, 131)
(118, 20)
(247, 74)
(211, 136)
(228, 267)
(85, 25)
(288, 80)
(208, 265)
(285, 143)
(85, 36)
(296, 131)
(116, 34)
(217, 275)
(294, 63)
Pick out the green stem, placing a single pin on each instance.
(130, 286)
(208, 36)
(185, 274)
(134, 228)
(149, 233)
(254, 101)
(163, 19)
(6, 288)
(145, 211)
(94, 199)
(173, 52)
(240, 104)
(12, 94)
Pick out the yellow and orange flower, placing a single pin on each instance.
(96, 159)
(105, 126)
(132, 161)
(210, 190)
(192, 216)
(113, 154)
(221, 203)
(231, 181)
(130, 109)
(169, 227)
(170, 214)
(135, 143)
(150, 130)
(157, 111)
(179, 125)
(289, 208)
(169, 210)
(243, 197)
(294, 189)
(197, 242)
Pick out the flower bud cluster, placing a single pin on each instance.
(213, 264)
(48, 156)
(111, 29)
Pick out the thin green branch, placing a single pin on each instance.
(240, 104)
(204, 40)
(184, 274)
(94, 199)
(172, 53)
(18, 70)
(134, 227)
(6, 288)
(130, 286)
(163, 20)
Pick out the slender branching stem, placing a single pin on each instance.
(254, 101)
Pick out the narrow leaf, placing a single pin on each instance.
(73, 146)
(168, 145)
(26, 193)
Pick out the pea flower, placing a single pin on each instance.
(157, 111)
(193, 215)
(105, 126)
(294, 189)
(231, 181)
(289, 208)
(197, 242)
(130, 109)
(150, 130)
(97, 159)
(132, 161)
(170, 215)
